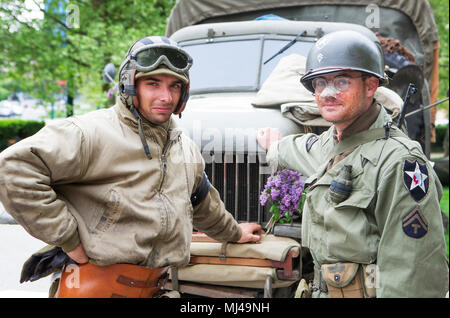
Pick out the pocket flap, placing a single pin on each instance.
(359, 198)
(339, 274)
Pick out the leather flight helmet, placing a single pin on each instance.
(154, 55)
(344, 51)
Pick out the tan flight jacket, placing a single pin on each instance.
(87, 179)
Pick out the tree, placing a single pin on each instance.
(440, 9)
(72, 43)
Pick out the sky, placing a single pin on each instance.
(33, 11)
(29, 11)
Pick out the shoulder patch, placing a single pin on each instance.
(311, 140)
(414, 223)
(415, 179)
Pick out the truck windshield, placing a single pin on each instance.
(273, 46)
(236, 65)
(224, 65)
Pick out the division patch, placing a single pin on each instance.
(415, 177)
(414, 223)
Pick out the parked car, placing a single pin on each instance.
(6, 109)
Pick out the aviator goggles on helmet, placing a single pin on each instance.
(340, 83)
(148, 58)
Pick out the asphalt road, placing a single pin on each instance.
(16, 245)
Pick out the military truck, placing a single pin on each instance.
(236, 45)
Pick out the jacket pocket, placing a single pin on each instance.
(351, 233)
(109, 214)
(358, 199)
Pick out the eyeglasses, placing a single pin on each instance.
(149, 58)
(340, 83)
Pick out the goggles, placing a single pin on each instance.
(340, 83)
(148, 58)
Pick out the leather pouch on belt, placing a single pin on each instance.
(112, 281)
(343, 280)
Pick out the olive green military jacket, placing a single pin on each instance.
(392, 216)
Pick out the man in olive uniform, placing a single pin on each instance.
(372, 217)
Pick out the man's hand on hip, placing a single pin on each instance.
(78, 255)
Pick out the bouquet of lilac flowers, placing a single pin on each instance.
(285, 190)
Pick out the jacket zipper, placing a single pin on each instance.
(164, 169)
(164, 158)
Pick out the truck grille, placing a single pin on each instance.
(239, 178)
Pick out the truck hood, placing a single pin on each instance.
(227, 122)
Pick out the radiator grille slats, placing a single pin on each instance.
(238, 180)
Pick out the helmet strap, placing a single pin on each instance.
(183, 100)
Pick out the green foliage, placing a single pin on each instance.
(441, 16)
(440, 132)
(445, 201)
(17, 129)
(445, 208)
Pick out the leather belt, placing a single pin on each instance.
(113, 281)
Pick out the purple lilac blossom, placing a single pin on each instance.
(285, 189)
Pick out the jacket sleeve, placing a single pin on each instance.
(29, 171)
(298, 152)
(210, 215)
(411, 259)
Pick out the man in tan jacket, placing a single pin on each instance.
(121, 185)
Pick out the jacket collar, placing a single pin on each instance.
(161, 132)
(363, 122)
(367, 149)
(376, 117)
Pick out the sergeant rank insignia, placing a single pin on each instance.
(415, 178)
(414, 223)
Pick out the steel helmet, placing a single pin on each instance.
(150, 56)
(342, 51)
